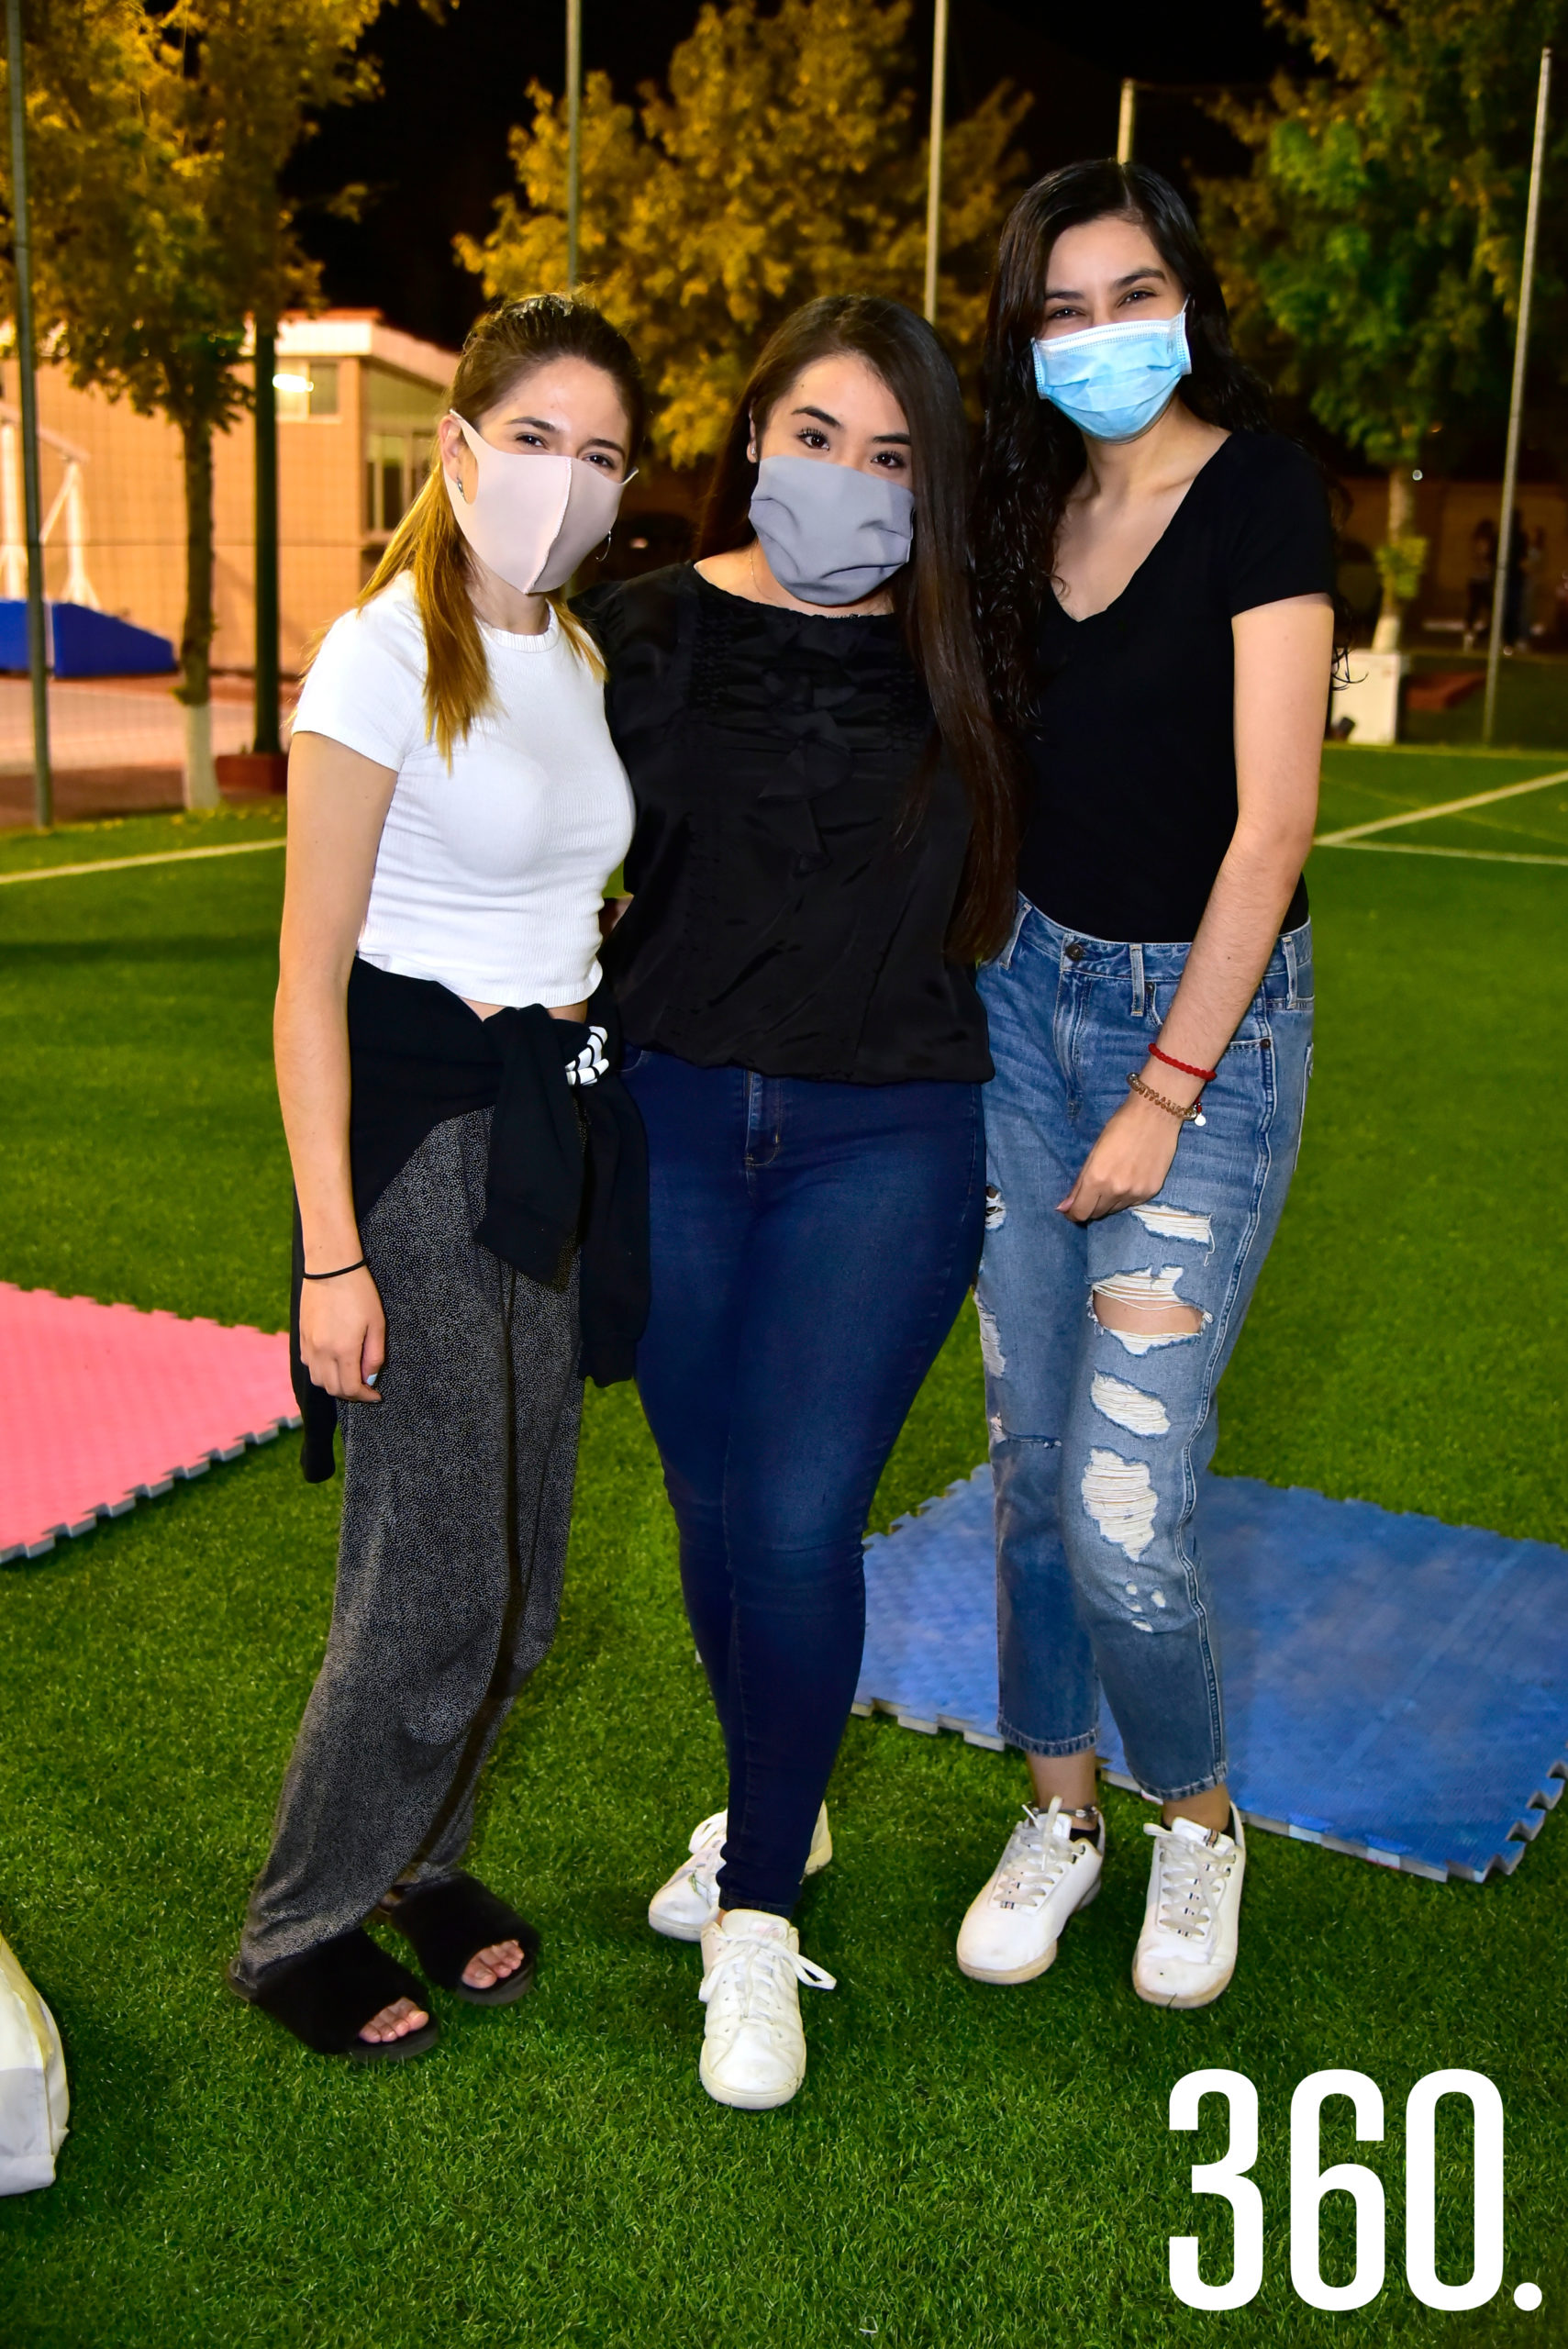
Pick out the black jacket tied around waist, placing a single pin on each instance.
(568, 1162)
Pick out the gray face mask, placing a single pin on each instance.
(831, 533)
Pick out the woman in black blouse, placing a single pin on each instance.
(823, 845)
(1155, 572)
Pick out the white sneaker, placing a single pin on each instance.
(688, 1900)
(1186, 1952)
(753, 2050)
(1044, 1876)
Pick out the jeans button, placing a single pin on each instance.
(1075, 953)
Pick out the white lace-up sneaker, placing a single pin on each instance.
(687, 1902)
(1044, 1876)
(1186, 1952)
(753, 2050)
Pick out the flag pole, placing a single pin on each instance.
(1126, 122)
(1515, 404)
(573, 138)
(934, 180)
(266, 489)
(22, 250)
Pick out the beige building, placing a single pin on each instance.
(358, 403)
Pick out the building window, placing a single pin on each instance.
(394, 469)
(400, 414)
(306, 388)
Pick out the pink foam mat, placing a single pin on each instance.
(102, 1406)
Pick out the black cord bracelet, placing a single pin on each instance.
(356, 1266)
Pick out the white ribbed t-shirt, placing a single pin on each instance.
(490, 875)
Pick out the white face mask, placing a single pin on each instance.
(532, 518)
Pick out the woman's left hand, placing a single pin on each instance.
(1127, 1166)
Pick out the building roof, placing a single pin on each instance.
(364, 334)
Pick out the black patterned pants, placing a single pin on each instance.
(457, 1502)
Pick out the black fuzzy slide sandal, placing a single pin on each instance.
(451, 1923)
(326, 1997)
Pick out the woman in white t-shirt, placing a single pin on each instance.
(469, 1173)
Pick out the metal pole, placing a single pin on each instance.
(22, 249)
(1515, 404)
(934, 179)
(266, 543)
(574, 136)
(1126, 122)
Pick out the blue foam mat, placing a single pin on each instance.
(82, 642)
(1394, 1688)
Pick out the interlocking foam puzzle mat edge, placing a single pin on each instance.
(103, 1406)
(1395, 1689)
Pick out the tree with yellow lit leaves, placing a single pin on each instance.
(786, 159)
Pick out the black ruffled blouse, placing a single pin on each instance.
(783, 918)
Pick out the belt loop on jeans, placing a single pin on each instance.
(1005, 959)
(1137, 955)
(1287, 944)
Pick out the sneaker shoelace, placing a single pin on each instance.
(752, 1969)
(706, 1849)
(1193, 1878)
(1035, 1860)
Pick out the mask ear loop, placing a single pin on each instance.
(466, 431)
(625, 482)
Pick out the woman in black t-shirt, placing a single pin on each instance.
(823, 844)
(1155, 573)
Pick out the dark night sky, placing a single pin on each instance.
(433, 147)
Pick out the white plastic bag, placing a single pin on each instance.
(34, 2099)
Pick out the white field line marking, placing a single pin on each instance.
(1444, 808)
(124, 863)
(1467, 855)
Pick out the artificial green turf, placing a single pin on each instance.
(1532, 703)
(1362, 787)
(965, 2167)
(23, 849)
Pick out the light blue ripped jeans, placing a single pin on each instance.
(1100, 1438)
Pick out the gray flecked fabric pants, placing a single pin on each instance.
(457, 1499)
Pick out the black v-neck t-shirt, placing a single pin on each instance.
(1133, 759)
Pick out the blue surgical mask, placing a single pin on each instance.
(831, 533)
(1112, 382)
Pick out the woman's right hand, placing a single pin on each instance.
(342, 1335)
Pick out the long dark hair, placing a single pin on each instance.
(503, 346)
(1030, 456)
(931, 593)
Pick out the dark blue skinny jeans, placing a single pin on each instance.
(812, 1243)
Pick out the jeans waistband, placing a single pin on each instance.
(1286, 982)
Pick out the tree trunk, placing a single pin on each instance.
(195, 642)
(1401, 522)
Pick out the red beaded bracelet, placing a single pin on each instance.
(1208, 1075)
